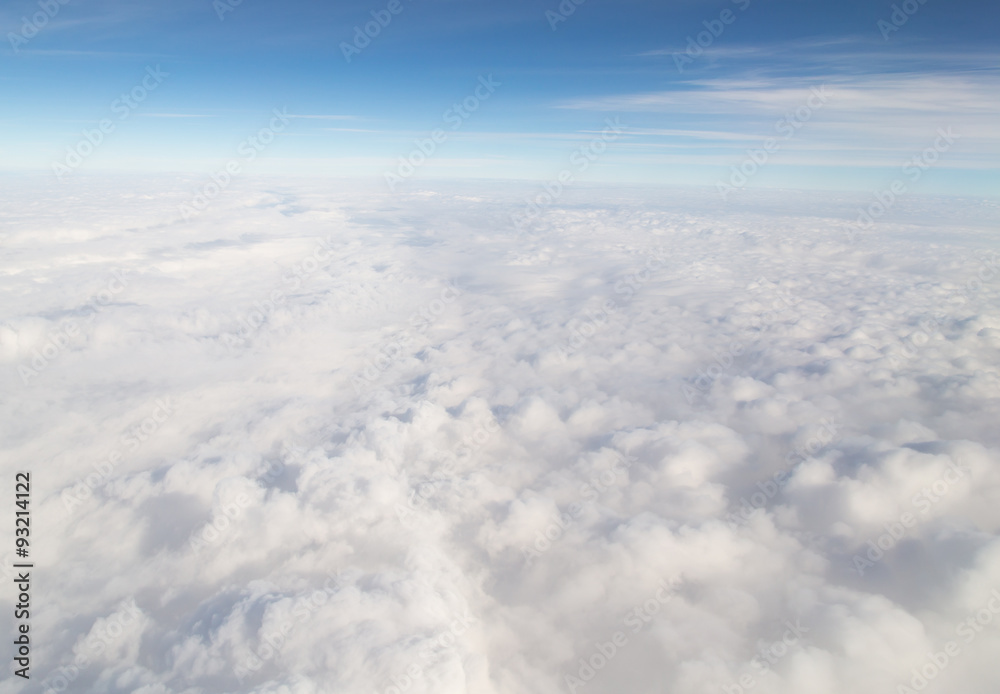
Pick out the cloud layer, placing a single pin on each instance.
(320, 440)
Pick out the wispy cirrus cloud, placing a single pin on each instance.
(322, 116)
(866, 120)
(178, 115)
(974, 93)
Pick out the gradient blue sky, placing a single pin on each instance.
(887, 99)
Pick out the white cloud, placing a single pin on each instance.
(281, 529)
(873, 113)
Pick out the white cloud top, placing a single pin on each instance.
(319, 440)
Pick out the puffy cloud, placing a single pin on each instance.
(321, 440)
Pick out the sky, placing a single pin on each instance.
(357, 104)
(494, 353)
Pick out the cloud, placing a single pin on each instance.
(863, 115)
(325, 439)
(323, 116)
(177, 115)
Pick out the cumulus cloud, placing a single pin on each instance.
(320, 440)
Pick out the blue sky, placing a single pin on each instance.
(889, 91)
